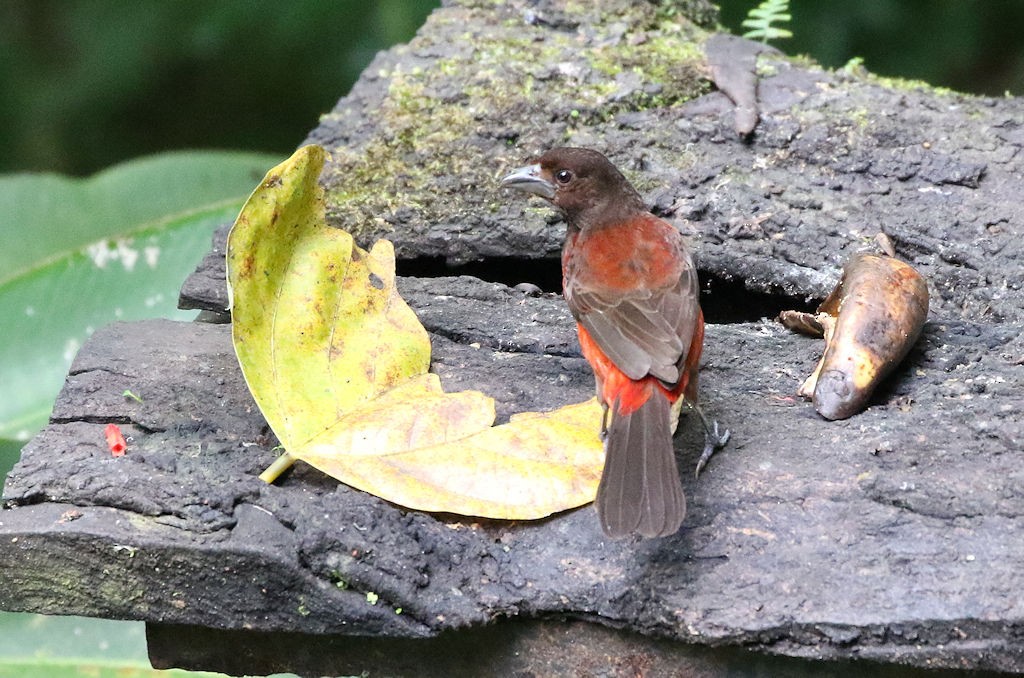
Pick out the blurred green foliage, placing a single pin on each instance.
(88, 83)
(967, 46)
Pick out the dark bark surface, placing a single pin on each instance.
(895, 535)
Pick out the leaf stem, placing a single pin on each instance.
(280, 465)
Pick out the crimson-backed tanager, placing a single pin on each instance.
(632, 287)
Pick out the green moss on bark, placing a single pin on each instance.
(498, 79)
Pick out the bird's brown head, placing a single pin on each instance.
(582, 183)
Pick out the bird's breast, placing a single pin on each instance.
(642, 253)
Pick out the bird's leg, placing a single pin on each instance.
(713, 440)
(604, 421)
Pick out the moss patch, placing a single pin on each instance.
(492, 81)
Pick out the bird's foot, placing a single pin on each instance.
(713, 441)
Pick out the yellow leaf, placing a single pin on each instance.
(317, 323)
(414, 414)
(536, 465)
(337, 363)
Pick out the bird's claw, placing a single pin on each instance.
(713, 441)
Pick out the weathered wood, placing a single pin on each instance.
(421, 140)
(884, 536)
(516, 647)
(893, 536)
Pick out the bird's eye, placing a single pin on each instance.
(563, 176)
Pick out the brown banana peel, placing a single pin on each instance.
(869, 322)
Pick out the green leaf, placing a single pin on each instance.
(80, 253)
(10, 451)
(84, 669)
(775, 33)
(48, 646)
(61, 647)
(46, 216)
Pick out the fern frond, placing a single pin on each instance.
(761, 19)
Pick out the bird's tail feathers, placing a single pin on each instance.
(640, 490)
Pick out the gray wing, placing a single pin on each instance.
(644, 331)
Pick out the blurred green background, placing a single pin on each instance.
(86, 84)
(968, 46)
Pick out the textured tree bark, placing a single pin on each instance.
(892, 536)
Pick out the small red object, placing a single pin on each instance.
(115, 440)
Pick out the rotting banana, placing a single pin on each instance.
(870, 322)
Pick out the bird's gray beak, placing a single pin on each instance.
(529, 179)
